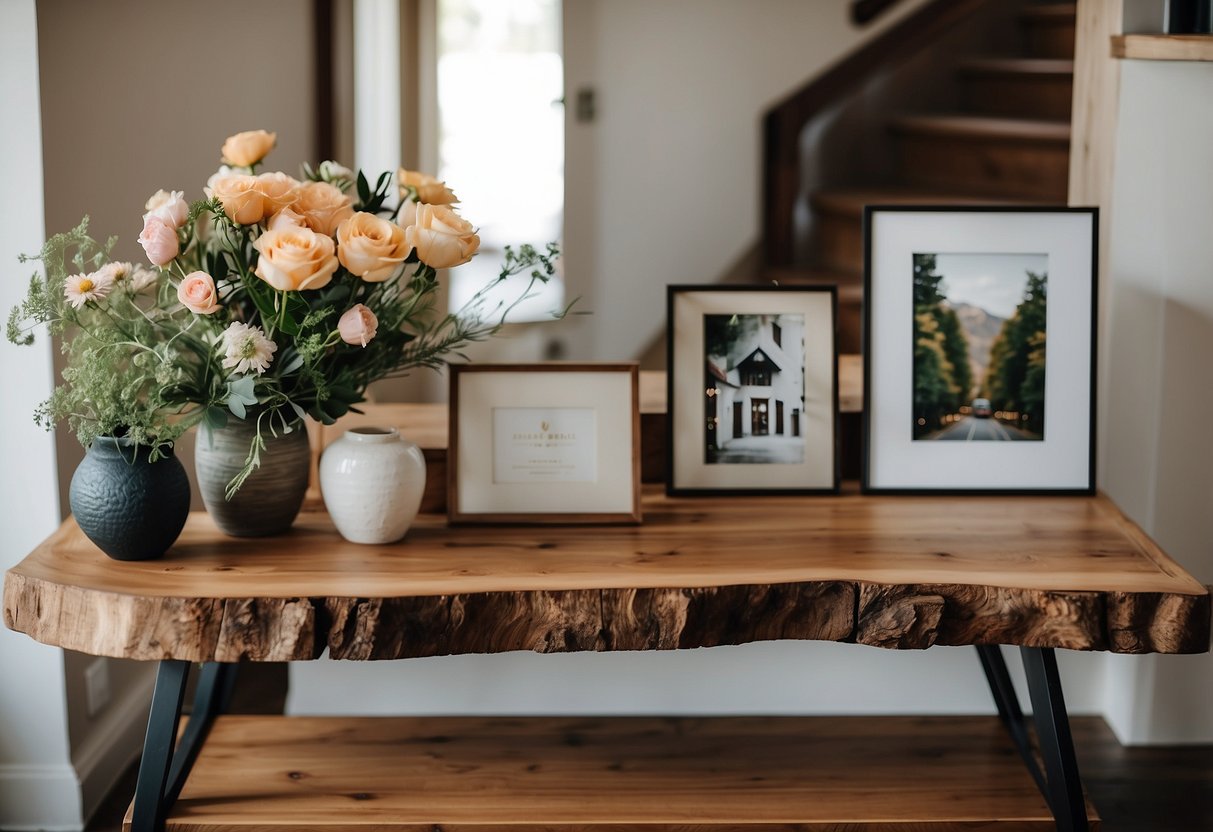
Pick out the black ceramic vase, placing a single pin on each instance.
(133, 509)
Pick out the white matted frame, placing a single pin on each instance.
(816, 470)
(1063, 460)
(544, 443)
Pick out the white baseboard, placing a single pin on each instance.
(114, 743)
(40, 797)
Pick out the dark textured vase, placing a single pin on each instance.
(133, 509)
(269, 500)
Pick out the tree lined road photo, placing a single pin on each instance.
(970, 429)
(979, 346)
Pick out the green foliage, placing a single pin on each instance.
(134, 366)
(1015, 379)
(935, 392)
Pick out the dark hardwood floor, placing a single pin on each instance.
(1150, 789)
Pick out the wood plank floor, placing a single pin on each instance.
(1167, 789)
(1153, 789)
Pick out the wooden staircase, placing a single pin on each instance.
(1006, 141)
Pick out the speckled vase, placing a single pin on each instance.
(372, 481)
(269, 500)
(132, 508)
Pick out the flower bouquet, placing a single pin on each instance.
(272, 299)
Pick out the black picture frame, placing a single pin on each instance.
(1069, 235)
(695, 463)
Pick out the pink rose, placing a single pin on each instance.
(197, 293)
(159, 240)
(358, 325)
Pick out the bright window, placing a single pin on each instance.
(501, 134)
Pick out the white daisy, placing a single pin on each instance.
(246, 348)
(79, 289)
(143, 279)
(115, 272)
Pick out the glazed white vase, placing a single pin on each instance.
(372, 481)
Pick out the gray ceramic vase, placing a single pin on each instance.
(133, 509)
(271, 497)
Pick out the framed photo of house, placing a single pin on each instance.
(544, 443)
(753, 390)
(979, 349)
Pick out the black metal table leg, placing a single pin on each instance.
(149, 809)
(1056, 742)
(1059, 782)
(163, 771)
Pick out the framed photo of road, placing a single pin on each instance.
(979, 349)
(753, 390)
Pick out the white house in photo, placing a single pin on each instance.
(757, 390)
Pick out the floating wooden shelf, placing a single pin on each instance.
(927, 774)
(1163, 47)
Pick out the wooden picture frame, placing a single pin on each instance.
(1009, 294)
(578, 463)
(778, 403)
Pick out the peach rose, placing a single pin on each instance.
(371, 247)
(323, 206)
(159, 240)
(286, 218)
(428, 189)
(358, 325)
(278, 189)
(442, 238)
(247, 149)
(197, 293)
(294, 259)
(243, 203)
(168, 206)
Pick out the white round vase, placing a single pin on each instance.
(372, 481)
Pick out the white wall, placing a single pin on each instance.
(664, 186)
(1156, 456)
(38, 787)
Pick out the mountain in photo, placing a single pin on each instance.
(980, 328)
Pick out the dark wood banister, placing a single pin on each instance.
(784, 122)
(865, 11)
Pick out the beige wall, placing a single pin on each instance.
(138, 95)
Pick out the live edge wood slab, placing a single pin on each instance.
(896, 572)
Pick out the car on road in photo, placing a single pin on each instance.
(981, 408)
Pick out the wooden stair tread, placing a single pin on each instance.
(1026, 67)
(983, 128)
(850, 284)
(1050, 12)
(580, 773)
(851, 201)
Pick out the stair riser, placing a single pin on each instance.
(1030, 170)
(837, 243)
(1049, 39)
(1046, 99)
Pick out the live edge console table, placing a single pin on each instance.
(895, 572)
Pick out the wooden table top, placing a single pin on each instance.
(893, 571)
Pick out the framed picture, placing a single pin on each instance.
(979, 349)
(544, 443)
(753, 390)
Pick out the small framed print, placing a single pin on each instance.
(544, 443)
(979, 349)
(753, 390)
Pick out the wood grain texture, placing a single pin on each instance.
(901, 572)
(1163, 47)
(909, 774)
